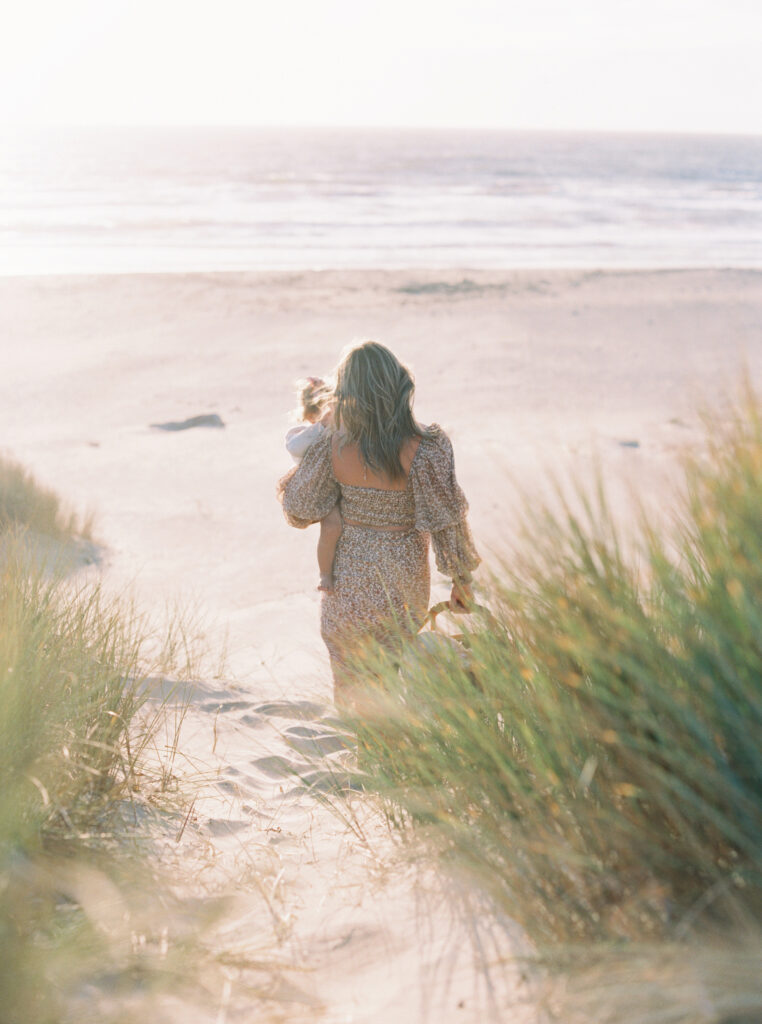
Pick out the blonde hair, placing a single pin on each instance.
(314, 396)
(374, 406)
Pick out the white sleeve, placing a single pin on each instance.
(299, 439)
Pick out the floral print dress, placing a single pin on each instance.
(381, 576)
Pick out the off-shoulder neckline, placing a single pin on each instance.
(390, 490)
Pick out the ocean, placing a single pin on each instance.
(181, 199)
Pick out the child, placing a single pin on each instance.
(316, 413)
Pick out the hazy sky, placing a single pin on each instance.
(691, 65)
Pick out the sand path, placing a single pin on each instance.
(524, 370)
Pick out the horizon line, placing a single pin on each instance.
(433, 128)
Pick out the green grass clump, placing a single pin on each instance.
(597, 760)
(76, 752)
(69, 672)
(68, 696)
(26, 503)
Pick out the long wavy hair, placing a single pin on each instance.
(374, 406)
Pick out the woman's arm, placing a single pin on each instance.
(309, 491)
(456, 556)
(441, 510)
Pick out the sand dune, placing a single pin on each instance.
(525, 370)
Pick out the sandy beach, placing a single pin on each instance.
(528, 371)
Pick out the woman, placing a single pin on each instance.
(396, 487)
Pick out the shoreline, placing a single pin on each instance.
(285, 272)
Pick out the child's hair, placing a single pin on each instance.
(314, 396)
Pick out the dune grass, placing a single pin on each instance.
(596, 763)
(26, 503)
(96, 921)
(75, 732)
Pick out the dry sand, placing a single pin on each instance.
(526, 370)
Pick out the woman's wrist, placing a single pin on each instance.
(461, 597)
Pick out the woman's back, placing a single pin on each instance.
(350, 469)
(370, 498)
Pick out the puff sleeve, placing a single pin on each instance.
(309, 491)
(441, 506)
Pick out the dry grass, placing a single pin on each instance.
(82, 741)
(597, 762)
(102, 918)
(26, 503)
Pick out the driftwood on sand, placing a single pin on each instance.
(210, 419)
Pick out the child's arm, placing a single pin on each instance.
(299, 439)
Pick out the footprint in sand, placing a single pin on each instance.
(314, 742)
(279, 767)
(328, 781)
(226, 705)
(237, 784)
(333, 778)
(222, 827)
(290, 709)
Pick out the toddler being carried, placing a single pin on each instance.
(316, 413)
